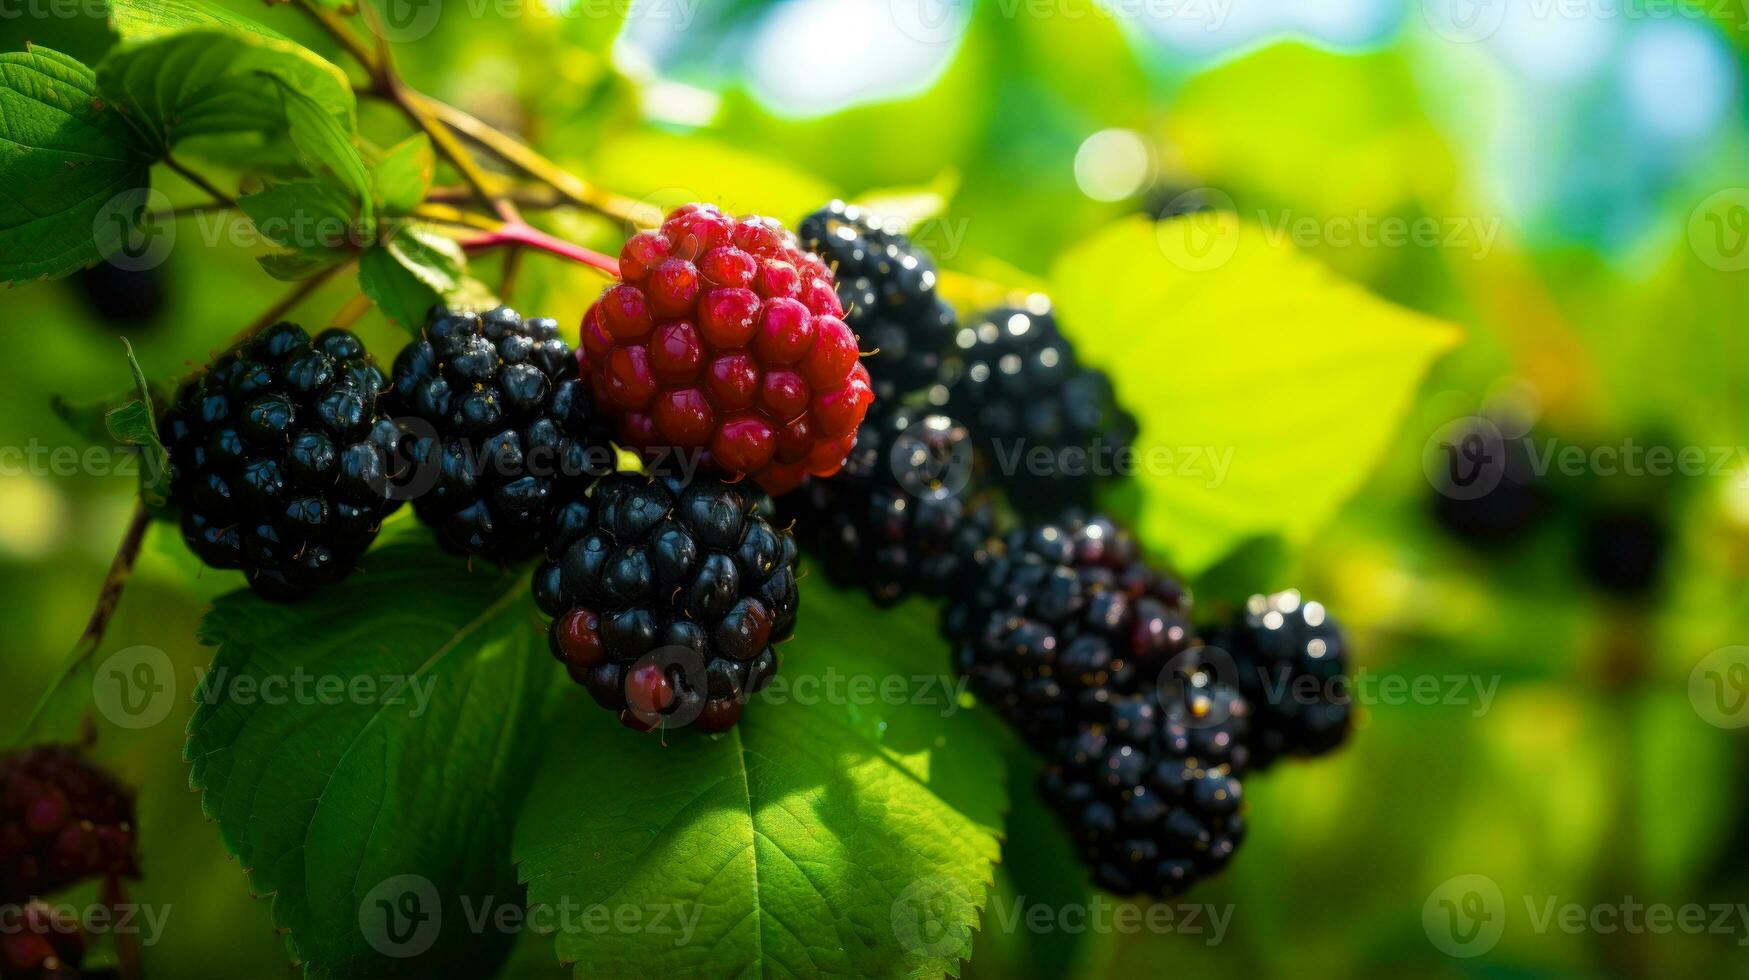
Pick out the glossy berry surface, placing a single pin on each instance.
(886, 284)
(724, 343)
(899, 518)
(505, 431)
(62, 821)
(1050, 426)
(1058, 617)
(1148, 786)
(668, 599)
(1292, 661)
(279, 461)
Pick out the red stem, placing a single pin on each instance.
(517, 233)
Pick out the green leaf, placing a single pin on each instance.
(327, 146)
(138, 20)
(400, 793)
(219, 80)
(404, 174)
(847, 835)
(1273, 385)
(296, 266)
(135, 424)
(73, 163)
(312, 216)
(414, 270)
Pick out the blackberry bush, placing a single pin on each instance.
(1148, 786)
(1019, 387)
(725, 340)
(1058, 617)
(509, 431)
(898, 519)
(669, 600)
(62, 821)
(1291, 659)
(887, 287)
(279, 461)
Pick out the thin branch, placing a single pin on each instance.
(456, 216)
(121, 568)
(519, 234)
(533, 197)
(199, 181)
(349, 314)
(512, 265)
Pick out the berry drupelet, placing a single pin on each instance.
(1058, 617)
(1292, 660)
(279, 461)
(40, 942)
(725, 341)
(1148, 785)
(1018, 386)
(668, 599)
(62, 821)
(887, 286)
(899, 518)
(508, 431)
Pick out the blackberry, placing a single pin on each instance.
(1018, 386)
(1488, 494)
(279, 461)
(1060, 617)
(1149, 786)
(669, 599)
(509, 431)
(887, 287)
(40, 942)
(122, 297)
(62, 821)
(1291, 658)
(1622, 548)
(899, 518)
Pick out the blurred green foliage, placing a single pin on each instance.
(1589, 777)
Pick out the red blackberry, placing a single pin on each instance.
(39, 942)
(724, 342)
(887, 287)
(899, 517)
(62, 821)
(1149, 786)
(1018, 386)
(669, 599)
(509, 432)
(278, 459)
(1291, 659)
(1061, 616)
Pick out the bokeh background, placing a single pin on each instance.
(1586, 166)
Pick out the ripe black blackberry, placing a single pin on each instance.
(1148, 786)
(120, 297)
(509, 431)
(40, 942)
(900, 517)
(1019, 387)
(62, 821)
(279, 462)
(1488, 493)
(669, 599)
(1622, 548)
(1292, 660)
(887, 286)
(1058, 618)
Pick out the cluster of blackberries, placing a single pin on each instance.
(502, 428)
(63, 822)
(899, 518)
(669, 599)
(1492, 495)
(279, 459)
